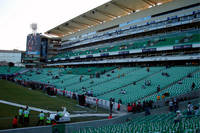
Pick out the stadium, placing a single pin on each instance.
(127, 66)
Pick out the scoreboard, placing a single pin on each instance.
(33, 44)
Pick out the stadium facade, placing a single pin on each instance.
(118, 32)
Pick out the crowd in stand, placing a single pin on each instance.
(191, 111)
(139, 107)
(87, 92)
(173, 105)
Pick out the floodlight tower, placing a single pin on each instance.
(34, 28)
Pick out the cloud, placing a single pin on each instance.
(17, 15)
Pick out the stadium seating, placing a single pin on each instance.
(136, 28)
(153, 123)
(135, 92)
(178, 89)
(66, 77)
(156, 41)
(110, 83)
(121, 81)
(10, 70)
(87, 71)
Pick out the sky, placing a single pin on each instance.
(17, 15)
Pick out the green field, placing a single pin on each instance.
(8, 112)
(15, 93)
(18, 94)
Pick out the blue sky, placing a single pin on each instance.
(17, 15)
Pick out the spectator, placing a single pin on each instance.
(178, 117)
(91, 76)
(163, 74)
(21, 115)
(151, 104)
(180, 82)
(14, 122)
(146, 108)
(118, 106)
(139, 107)
(148, 69)
(143, 87)
(189, 75)
(80, 79)
(196, 110)
(158, 97)
(175, 104)
(134, 107)
(91, 93)
(48, 119)
(111, 105)
(53, 123)
(64, 92)
(57, 116)
(189, 108)
(110, 116)
(129, 108)
(55, 91)
(158, 88)
(171, 105)
(113, 100)
(193, 86)
(41, 119)
(26, 116)
(167, 74)
(123, 91)
(120, 101)
(147, 82)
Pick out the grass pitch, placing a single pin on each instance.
(22, 95)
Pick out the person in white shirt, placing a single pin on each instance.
(171, 105)
(189, 108)
(178, 117)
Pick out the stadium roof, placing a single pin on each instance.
(104, 13)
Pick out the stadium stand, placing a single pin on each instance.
(151, 55)
(110, 83)
(152, 123)
(10, 70)
(176, 38)
(135, 92)
(177, 89)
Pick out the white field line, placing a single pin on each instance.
(46, 111)
(24, 106)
